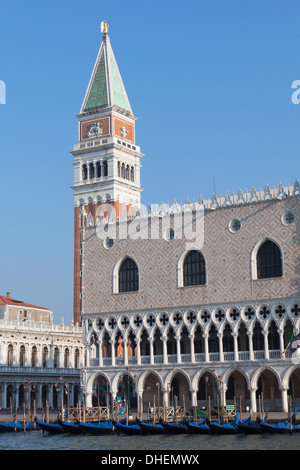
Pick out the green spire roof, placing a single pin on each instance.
(106, 87)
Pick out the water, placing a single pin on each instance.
(36, 440)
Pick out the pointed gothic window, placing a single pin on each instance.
(123, 170)
(128, 276)
(98, 170)
(132, 173)
(104, 166)
(92, 171)
(269, 261)
(194, 271)
(84, 172)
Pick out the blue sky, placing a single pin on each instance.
(210, 82)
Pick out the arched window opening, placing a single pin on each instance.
(269, 261)
(258, 338)
(132, 173)
(84, 172)
(194, 269)
(128, 276)
(123, 170)
(98, 170)
(92, 171)
(145, 343)
(76, 359)
(10, 355)
(104, 167)
(34, 356)
(227, 339)
(56, 357)
(213, 340)
(22, 356)
(273, 337)
(171, 343)
(66, 358)
(45, 356)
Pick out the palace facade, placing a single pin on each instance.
(39, 361)
(194, 300)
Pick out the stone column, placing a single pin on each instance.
(236, 347)
(266, 345)
(223, 390)
(87, 355)
(281, 342)
(16, 387)
(39, 388)
(253, 407)
(138, 350)
(221, 355)
(3, 360)
(113, 353)
(251, 355)
(178, 349)
(140, 402)
(194, 398)
(192, 348)
(88, 400)
(100, 353)
(165, 350)
(206, 348)
(151, 351)
(166, 397)
(284, 399)
(126, 352)
(3, 392)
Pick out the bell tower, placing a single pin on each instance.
(106, 158)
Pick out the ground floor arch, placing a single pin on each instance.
(196, 387)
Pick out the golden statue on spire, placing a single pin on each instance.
(104, 27)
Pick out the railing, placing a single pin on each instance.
(100, 413)
(244, 355)
(31, 325)
(214, 357)
(199, 358)
(228, 356)
(259, 355)
(39, 370)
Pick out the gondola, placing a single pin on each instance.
(150, 428)
(284, 426)
(104, 427)
(199, 427)
(173, 427)
(281, 427)
(132, 429)
(250, 426)
(69, 426)
(224, 428)
(52, 428)
(12, 426)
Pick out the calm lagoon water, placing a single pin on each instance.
(36, 440)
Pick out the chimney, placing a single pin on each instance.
(8, 294)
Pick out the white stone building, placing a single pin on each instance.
(39, 360)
